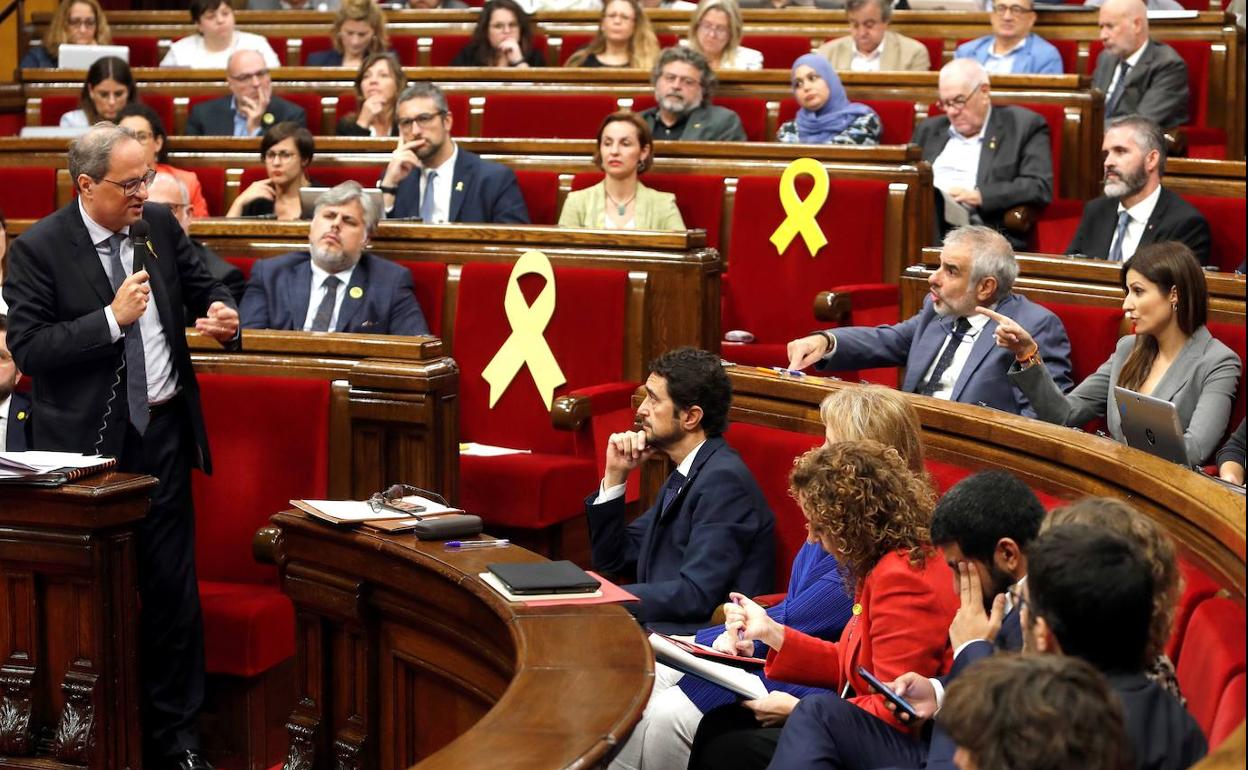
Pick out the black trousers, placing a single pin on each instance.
(171, 623)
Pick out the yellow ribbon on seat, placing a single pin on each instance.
(526, 345)
(799, 214)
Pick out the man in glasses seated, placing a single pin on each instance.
(431, 178)
(95, 319)
(1013, 47)
(250, 106)
(986, 159)
(169, 191)
(334, 286)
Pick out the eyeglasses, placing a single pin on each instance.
(671, 78)
(143, 136)
(424, 119)
(1015, 10)
(131, 187)
(248, 76)
(81, 23)
(391, 499)
(958, 102)
(278, 155)
(714, 30)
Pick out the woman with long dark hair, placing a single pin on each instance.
(503, 37)
(108, 88)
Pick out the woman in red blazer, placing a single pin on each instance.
(871, 512)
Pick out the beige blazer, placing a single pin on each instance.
(654, 210)
(901, 53)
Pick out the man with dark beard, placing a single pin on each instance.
(683, 82)
(335, 286)
(1136, 209)
(431, 177)
(710, 530)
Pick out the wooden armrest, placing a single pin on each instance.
(1020, 219)
(1176, 141)
(570, 411)
(833, 307)
(264, 545)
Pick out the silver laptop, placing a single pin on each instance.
(1151, 425)
(308, 196)
(81, 57)
(947, 5)
(54, 132)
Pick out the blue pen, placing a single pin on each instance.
(789, 372)
(477, 543)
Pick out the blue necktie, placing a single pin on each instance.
(671, 489)
(136, 366)
(1115, 251)
(1116, 93)
(946, 356)
(426, 201)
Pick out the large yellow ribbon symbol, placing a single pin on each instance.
(799, 215)
(526, 345)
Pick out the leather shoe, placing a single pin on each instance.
(191, 760)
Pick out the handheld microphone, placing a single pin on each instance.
(138, 238)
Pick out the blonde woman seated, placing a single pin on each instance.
(715, 32)
(620, 201)
(624, 39)
(77, 22)
(359, 31)
(826, 115)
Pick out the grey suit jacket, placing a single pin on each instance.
(1156, 86)
(707, 123)
(901, 53)
(1200, 383)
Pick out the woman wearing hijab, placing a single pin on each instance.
(825, 114)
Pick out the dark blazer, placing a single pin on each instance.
(482, 191)
(1174, 219)
(280, 289)
(57, 290)
(37, 57)
(916, 341)
(1015, 162)
(348, 127)
(716, 536)
(17, 437)
(326, 57)
(1156, 86)
(467, 57)
(230, 276)
(708, 123)
(215, 118)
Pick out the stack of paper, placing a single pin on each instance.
(49, 468)
(743, 683)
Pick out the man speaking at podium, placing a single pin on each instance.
(95, 318)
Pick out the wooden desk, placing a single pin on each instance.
(69, 693)
(405, 657)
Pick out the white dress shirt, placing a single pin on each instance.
(318, 293)
(869, 62)
(1139, 215)
(162, 378)
(1132, 60)
(958, 164)
(442, 184)
(1002, 63)
(950, 377)
(4, 423)
(607, 494)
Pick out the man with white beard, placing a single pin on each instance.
(335, 286)
(683, 82)
(1136, 209)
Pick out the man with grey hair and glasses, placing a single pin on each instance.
(683, 82)
(334, 286)
(1136, 210)
(96, 293)
(432, 178)
(947, 348)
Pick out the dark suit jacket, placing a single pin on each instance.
(1156, 86)
(708, 123)
(215, 118)
(1015, 162)
(482, 191)
(916, 341)
(716, 536)
(57, 290)
(1174, 219)
(17, 437)
(229, 275)
(280, 289)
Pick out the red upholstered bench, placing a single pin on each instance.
(546, 116)
(144, 51)
(53, 106)
(445, 48)
(541, 195)
(779, 51)
(212, 182)
(27, 192)
(429, 282)
(312, 44)
(1227, 226)
(1094, 331)
(270, 443)
(1210, 667)
(1197, 587)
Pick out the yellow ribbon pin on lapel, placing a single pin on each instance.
(526, 345)
(799, 214)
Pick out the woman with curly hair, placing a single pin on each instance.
(867, 508)
(625, 39)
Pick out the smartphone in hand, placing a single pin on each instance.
(888, 693)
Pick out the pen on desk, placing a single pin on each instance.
(477, 543)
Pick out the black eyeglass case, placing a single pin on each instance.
(447, 527)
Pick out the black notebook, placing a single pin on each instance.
(547, 577)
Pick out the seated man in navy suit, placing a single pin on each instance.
(335, 285)
(14, 406)
(946, 347)
(711, 530)
(431, 177)
(251, 106)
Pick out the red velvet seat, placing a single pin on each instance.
(162, 104)
(698, 196)
(945, 475)
(1094, 331)
(549, 116)
(571, 44)
(27, 192)
(541, 195)
(53, 106)
(312, 44)
(1056, 225)
(586, 336)
(935, 51)
(854, 255)
(273, 436)
(445, 48)
(1197, 587)
(429, 281)
(1229, 714)
(1211, 658)
(1069, 50)
(242, 263)
(311, 104)
(896, 117)
(212, 182)
(404, 46)
(779, 51)
(1227, 224)
(278, 44)
(144, 51)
